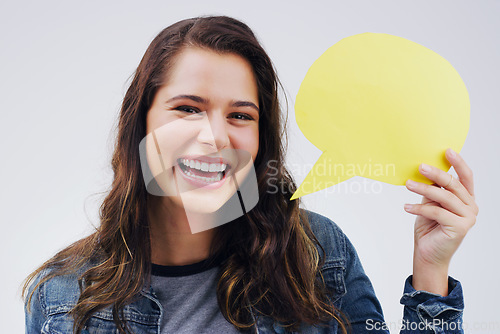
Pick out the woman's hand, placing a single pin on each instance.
(447, 212)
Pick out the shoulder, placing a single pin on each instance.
(56, 296)
(56, 293)
(52, 297)
(337, 254)
(330, 236)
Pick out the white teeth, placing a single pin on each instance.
(206, 179)
(204, 166)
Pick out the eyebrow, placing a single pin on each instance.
(245, 104)
(200, 99)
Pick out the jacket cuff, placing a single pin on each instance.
(430, 306)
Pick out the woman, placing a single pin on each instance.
(200, 123)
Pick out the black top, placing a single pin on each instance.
(187, 270)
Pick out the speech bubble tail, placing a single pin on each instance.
(296, 195)
(320, 177)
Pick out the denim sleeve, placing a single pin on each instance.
(35, 317)
(360, 305)
(429, 313)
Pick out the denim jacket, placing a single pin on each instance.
(351, 292)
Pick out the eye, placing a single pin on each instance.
(188, 109)
(241, 116)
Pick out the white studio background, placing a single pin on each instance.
(64, 69)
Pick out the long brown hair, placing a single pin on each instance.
(274, 258)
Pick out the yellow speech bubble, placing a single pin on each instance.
(377, 106)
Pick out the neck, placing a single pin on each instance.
(172, 243)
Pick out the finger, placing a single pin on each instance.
(463, 170)
(443, 217)
(445, 198)
(433, 212)
(426, 200)
(445, 180)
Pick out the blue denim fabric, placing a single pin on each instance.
(351, 292)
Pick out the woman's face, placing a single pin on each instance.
(203, 129)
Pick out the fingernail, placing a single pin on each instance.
(408, 207)
(452, 153)
(425, 168)
(411, 183)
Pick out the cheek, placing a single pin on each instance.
(171, 137)
(247, 140)
(173, 141)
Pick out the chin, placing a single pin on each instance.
(205, 201)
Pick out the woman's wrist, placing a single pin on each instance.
(430, 277)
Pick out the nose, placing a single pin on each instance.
(215, 132)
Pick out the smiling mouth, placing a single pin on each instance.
(207, 172)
